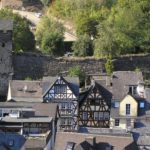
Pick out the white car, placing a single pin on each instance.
(38, 15)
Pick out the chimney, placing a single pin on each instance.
(25, 88)
(108, 81)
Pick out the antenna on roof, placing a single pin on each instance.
(140, 89)
(25, 88)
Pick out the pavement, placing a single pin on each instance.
(34, 19)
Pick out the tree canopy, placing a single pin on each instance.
(77, 71)
(23, 38)
(117, 26)
(83, 46)
(50, 36)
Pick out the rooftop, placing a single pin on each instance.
(30, 119)
(6, 25)
(82, 141)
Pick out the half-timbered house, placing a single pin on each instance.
(94, 106)
(65, 92)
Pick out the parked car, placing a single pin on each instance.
(38, 15)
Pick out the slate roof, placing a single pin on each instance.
(41, 109)
(121, 80)
(82, 143)
(4, 147)
(72, 82)
(27, 91)
(17, 138)
(6, 25)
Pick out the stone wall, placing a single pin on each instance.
(36, 66)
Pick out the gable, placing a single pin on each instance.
(60, 89)
(128, 100)
(95, 96)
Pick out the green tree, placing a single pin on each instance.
(23, 38)
(77, 71)
(109, 67)
(83, 46)
(105, 44)
(49, 36)
(86, 24)
(52, 44)
(132, 28)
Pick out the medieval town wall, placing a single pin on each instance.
(36, 65)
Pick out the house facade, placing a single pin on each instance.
(65, 92)
(94, 107)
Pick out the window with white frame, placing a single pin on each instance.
(62, 121)
(69, 121)
(127, 109)
(59, 89)
(106, 115)
(68, 105)
(101, 115)
(96, 115)
(63, 105)
(69, 108)
(85, 116)
(132, 89)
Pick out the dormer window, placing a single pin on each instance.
(132, 90)
(142, 104)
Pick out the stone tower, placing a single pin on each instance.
(6, 69)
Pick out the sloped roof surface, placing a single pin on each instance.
(41, 109)
(22, 90)
(121, 80)
(6, 25)
(73, 83)
(118, 143)
(35, 143)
